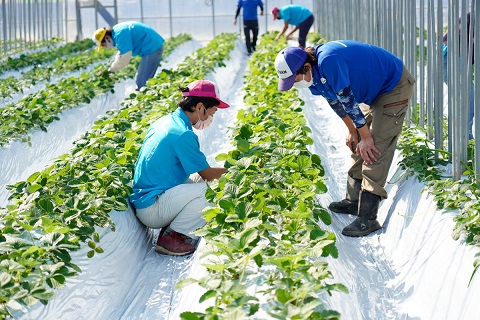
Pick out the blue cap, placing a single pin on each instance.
(287, 63)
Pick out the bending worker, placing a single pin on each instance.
(132, 39)
(369, 88)
(298, 16)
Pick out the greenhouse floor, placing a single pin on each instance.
(410, 269)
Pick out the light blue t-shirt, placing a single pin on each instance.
(370, 71)
(137, 37)
(294, 14)
(250, 8)
(169, 154)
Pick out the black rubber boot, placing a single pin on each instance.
(366, 222)
(348, 205)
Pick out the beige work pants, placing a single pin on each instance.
(384, 118)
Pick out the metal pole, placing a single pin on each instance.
(438, 111)
(58, 18)
(14, 28)
(213, 18)
(50, 12)
(79, 20)
(65, 10)
(4, 19)
(34, 21)
(453, 85)
(42, 20)
(96, 14)
(115, 11)
(430, 66)
(421, 57)
(25, 24)
(171, 22)
(475, 25)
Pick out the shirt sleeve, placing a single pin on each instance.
(351, 107)
(121, 61)
(337, 107)
(188, 152)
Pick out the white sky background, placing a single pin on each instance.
(410, 269)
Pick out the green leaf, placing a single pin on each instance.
(282, 295)
(189, 316)
(316, 233)
(243, 145)
(322, 214)
(33, 177)
(304, 162)
(4, 279)
(207, 295)
(33, 188)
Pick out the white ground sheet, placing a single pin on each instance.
(410, 269)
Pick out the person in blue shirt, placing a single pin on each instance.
(170, 173)
(297, 16)
(369, 88)
(132, 39)
(250, 21)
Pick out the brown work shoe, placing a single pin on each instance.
(174, 244)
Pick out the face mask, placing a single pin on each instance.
(302, 84)
(109, 43)
(202, 124)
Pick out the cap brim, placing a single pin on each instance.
(287, 83)
(222, 105)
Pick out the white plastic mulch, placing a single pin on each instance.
(410, 269)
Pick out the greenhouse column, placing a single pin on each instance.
(4, 19)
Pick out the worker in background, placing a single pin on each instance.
(297, 16)
(250, 21)
(132, 39)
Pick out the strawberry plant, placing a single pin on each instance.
(11, 85)
(263, 229)
(27, 45)
(55, 211)
(36, 58)
(420, 158)
(39, 109)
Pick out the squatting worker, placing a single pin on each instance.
(297, 16)
(170, 173)
(369, 88)
(132, 39)
(250, 21)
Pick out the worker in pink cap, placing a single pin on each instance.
(170, 172)
(297, 16)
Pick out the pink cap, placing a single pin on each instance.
(205, 88)
(274, 11)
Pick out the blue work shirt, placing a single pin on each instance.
(294, 14)
(368, 70)
(250, 8)
(137, 37)
(169, 154)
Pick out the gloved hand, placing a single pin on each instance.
(103, 72)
